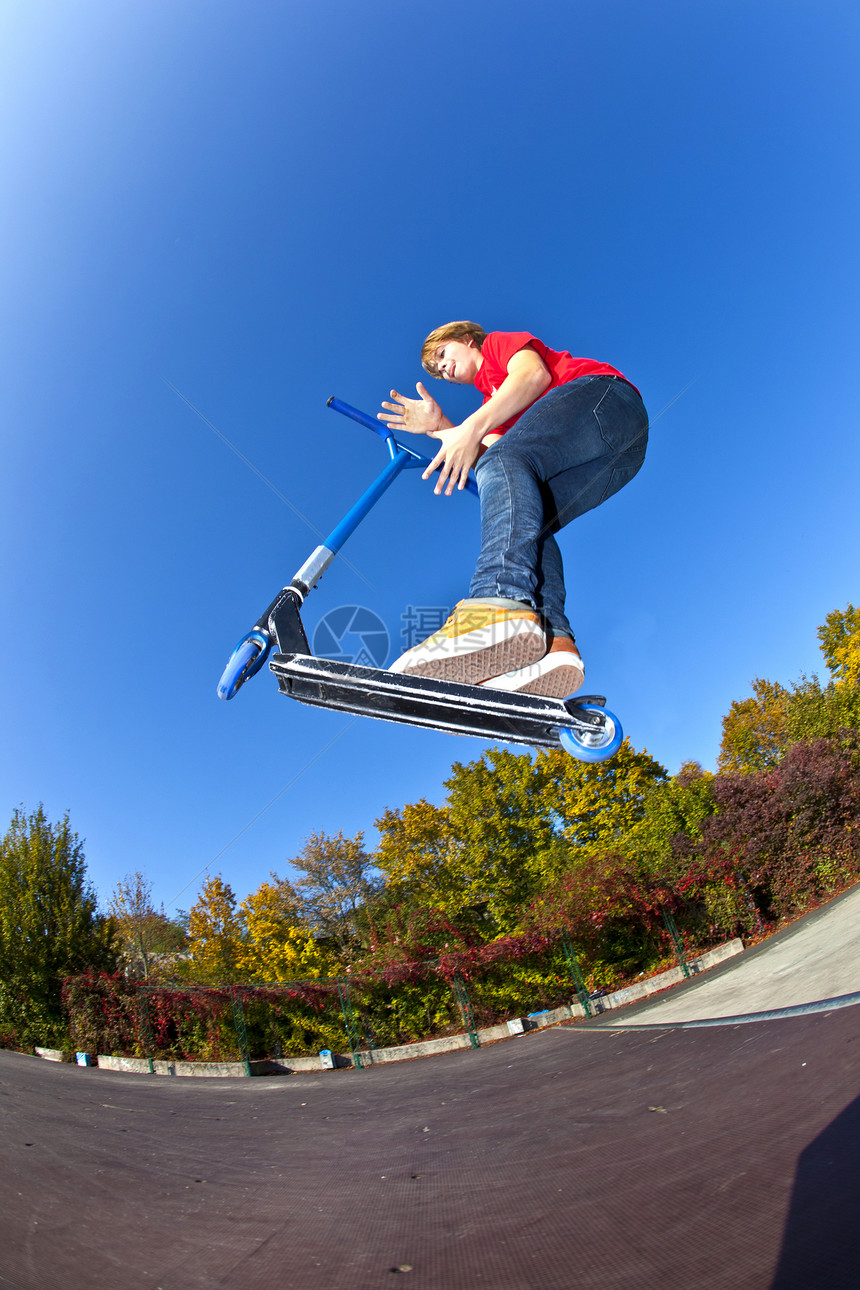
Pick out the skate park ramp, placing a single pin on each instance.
(817, 958)
(598, 1156)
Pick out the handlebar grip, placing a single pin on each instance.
(362, 418)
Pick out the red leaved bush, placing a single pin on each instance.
(102, 1011)
(9, 1039)
(119, 1017)
(404, 944)
(606, 891)
(418, 944)
(791, 832)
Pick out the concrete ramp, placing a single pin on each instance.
(817, 958)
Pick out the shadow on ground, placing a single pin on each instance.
(821, 1246)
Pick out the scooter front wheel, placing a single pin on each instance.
(246, 660)
(599, 743)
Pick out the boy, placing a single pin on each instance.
(555, 437)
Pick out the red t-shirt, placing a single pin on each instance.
(498, 350)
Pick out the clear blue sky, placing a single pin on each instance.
(268, 203)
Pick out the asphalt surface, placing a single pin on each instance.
(593, 1156)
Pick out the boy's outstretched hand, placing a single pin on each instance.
(417, 416)
(459, 450)
(461, 447)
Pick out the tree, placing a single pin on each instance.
(476, 859)
(823, 712)
(50, 926)
(755, 730)
(758, 731)
(276, 946)
(418, 854)
(596, 804)
(144, 931)
(338, 885)
(214, 935)
(510, 825)
(503, 822)
(663, 838)
(840, 644)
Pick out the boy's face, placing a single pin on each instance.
(458, 360)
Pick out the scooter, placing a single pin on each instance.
(583, 725)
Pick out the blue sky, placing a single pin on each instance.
(262, 205)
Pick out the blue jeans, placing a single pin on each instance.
(573, 448)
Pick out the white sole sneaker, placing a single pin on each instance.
(556, 676)
(500, 640)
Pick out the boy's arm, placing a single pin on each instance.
(527, 379)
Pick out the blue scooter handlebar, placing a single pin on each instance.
(377, 427)
(363, 418)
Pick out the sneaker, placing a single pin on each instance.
(558, 674)
(481, 638)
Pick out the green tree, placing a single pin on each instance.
(337, 886)
(759, 730)
(510, 825)
(214, 935)
(50, 926)
(145, 933)
(755, 730)
(476, 859)
(503, 821)
(597, 804)
(823, 712)
(671, 823)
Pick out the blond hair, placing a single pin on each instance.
(448, 331)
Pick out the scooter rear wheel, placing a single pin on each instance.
(598, 744)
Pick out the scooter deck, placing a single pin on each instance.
(421, 701)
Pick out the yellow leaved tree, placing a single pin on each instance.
(418, 854)
(840, 644)
(277, 947)
(214, 935)
(596, 804)
(755, 730)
